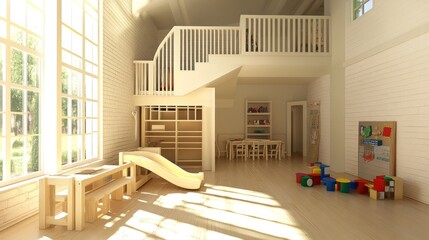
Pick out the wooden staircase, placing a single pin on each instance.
(182, 62)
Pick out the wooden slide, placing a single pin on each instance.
(164, 168)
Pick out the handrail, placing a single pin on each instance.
(285, 34)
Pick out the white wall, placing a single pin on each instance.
(319, 90)
(126, 38)
(389, 82)
(230, 121)
(384, 25)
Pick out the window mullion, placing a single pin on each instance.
(83, 89)
(8, 117)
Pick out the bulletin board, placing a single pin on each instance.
(377, 149)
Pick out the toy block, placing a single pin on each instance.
(299, 177)
(330, 183)
(361, 185)
(398, 187)
(344, 184)
(307, 181)
(373, 194)
(315, 177)
(325, 170)
(379, 184)
(316, 170)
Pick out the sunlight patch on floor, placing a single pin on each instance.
(45, 238)
(238, 213)
(243, 209)
(128, 233)
(144, 224)
(243, 197)
(272, 228)
(238, 190)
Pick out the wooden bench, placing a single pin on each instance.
(113, 188)
(106, 181)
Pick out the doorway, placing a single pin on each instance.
(296, 128)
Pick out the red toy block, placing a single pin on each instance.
(299, 176)
(315, 177)
(361, 188)
(379, 184)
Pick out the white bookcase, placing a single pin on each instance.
(258, 120)
(177, 130)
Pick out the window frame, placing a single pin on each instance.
(50, 162)
(82, 134)
(360, 6)
(9, 46)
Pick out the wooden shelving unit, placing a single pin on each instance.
(258, 120)
(178, 131)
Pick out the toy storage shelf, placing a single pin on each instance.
(177, 130)
(258, 119)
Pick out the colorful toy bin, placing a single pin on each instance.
(344, 185)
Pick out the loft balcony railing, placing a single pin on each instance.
(285, 34)
(183, 47)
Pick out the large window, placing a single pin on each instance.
(79, 80)
(360, 7)
(23, 108)
(21, 45)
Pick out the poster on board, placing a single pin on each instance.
(377, 149)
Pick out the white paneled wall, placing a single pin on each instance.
(319, 90)
(393, 86)
(387, 21)
(125, 39)
(18, 202)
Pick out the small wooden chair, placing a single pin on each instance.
(274, 150)
(241, 150)
(257, 149)
(53, 189)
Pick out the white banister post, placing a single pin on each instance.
(151, 79)
(176, 55)
(242, 38)
(136, 68)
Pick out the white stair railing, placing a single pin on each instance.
(183, 47)
(285, 34)
(144, 76)
(196, 43)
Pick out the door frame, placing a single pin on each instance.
(289, 106)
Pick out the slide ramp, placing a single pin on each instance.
(164, 168)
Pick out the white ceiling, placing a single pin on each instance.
(168, 13)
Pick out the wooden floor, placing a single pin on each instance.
(246, 200)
